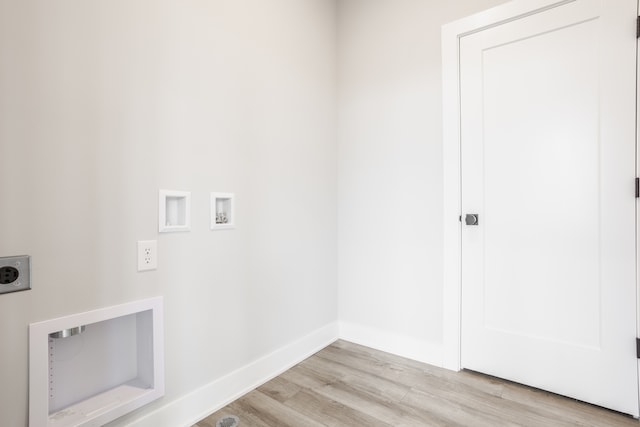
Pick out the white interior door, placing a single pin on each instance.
(548, 165)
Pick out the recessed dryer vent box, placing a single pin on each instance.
(90, 368)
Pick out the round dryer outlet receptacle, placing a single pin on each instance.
(8, 275)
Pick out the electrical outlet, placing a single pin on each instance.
(15, 274)
(147, 255)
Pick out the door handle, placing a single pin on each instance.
(471, 219)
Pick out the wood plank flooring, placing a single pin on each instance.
(349, 385)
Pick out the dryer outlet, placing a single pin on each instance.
(15, 274)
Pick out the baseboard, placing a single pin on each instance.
(410, 348)
(200, 403)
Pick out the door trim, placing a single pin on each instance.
(451, 34)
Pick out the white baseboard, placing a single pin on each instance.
(408, 347)
(200, 403)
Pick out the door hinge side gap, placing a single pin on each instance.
(638, 27)
(638, 348)
(637, 188)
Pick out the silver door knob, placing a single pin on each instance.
(471, 219)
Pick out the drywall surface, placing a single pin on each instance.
(102, 104)
(390, 169)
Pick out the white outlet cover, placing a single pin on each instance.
(147, 255)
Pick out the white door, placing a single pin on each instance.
(548, 165)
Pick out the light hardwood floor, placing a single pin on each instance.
(350, 385)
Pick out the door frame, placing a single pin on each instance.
(452, 245)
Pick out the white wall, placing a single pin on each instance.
(390, 172)
(102, 103)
